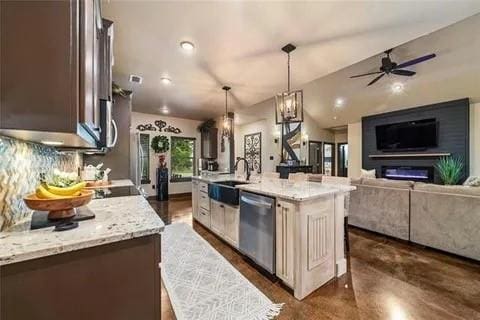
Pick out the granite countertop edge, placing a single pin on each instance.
(21, 246)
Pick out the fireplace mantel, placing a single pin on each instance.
(409, 155)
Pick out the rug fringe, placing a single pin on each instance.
(272, 312)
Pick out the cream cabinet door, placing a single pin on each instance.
(195, 199)
(217, 214)
(285, 228)
(232, 219)
(204, 217)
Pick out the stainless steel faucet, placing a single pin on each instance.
(246, 164)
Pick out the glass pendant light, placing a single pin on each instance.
(289, 104)
(227, 119)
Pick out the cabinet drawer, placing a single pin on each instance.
(204, 201)
(202, 186)
(204, 217)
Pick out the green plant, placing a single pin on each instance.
(207, 125)
(160, 144)
(116, 89)
(450, 169)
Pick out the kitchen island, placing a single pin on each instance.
(308, 227)
(107, 268)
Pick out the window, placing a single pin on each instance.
(182, 159)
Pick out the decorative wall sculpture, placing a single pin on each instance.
(253, 151)
(292, 133)
(160, 126)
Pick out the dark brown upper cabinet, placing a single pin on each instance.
(209, 143)
(49, 88)
(106, 61)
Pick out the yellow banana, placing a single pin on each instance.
(70, 191)
(43, 193)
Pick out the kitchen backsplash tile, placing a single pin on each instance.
(20, 166)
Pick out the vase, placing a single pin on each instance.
(161, 161)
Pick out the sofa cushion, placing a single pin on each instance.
(368, 174)
(387, 183)
(472, 181)
(459, 190)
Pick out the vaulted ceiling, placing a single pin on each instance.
(238, 43)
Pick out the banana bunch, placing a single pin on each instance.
(46, 191)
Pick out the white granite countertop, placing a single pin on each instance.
(296, 191)
(116, 219)
(122, 183)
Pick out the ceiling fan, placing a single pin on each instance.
(389, 66)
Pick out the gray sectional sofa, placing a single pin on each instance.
(441, 217)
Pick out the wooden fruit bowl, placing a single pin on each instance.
(59, 208)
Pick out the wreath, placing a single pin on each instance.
(160, 144)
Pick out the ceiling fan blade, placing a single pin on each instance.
(415, 61)
(407, 73)
(376, 79)
(366, 74)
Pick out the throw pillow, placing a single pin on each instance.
(472, 181)
(368, 174)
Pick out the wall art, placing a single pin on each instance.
(253, 151)
(160, 126)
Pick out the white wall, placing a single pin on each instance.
(475, 139)
(354, 149)
(189, 129)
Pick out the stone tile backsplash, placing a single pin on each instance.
(20, 166)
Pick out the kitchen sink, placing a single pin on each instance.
(225, 191)
(231, 183)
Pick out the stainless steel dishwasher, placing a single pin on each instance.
(257, 229)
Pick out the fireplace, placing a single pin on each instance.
(423, 174)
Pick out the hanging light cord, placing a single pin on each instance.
(226, 109)
(288, 68)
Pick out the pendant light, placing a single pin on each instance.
(227, 119)
(289, 104)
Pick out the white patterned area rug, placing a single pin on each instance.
(203, 285)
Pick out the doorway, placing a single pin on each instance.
(315, 156)
(328, 159)
(342, 170)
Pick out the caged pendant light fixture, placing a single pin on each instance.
(227, 118)
(289, 104)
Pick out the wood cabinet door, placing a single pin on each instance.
(232, 220)
(285, 228)
(217, 213)
(89, 53)
(195, 199)
(39, 69)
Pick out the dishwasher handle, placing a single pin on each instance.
(256, 203)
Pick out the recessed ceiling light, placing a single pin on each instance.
(335, 118)
(165, 80)
(187, 46)
(164, 110)
(339, 102)
(52, 143)
(397, 87)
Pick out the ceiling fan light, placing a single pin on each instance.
(397, 87)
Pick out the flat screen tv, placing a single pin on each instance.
(410, 135)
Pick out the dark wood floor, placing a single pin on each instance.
(386, 279)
